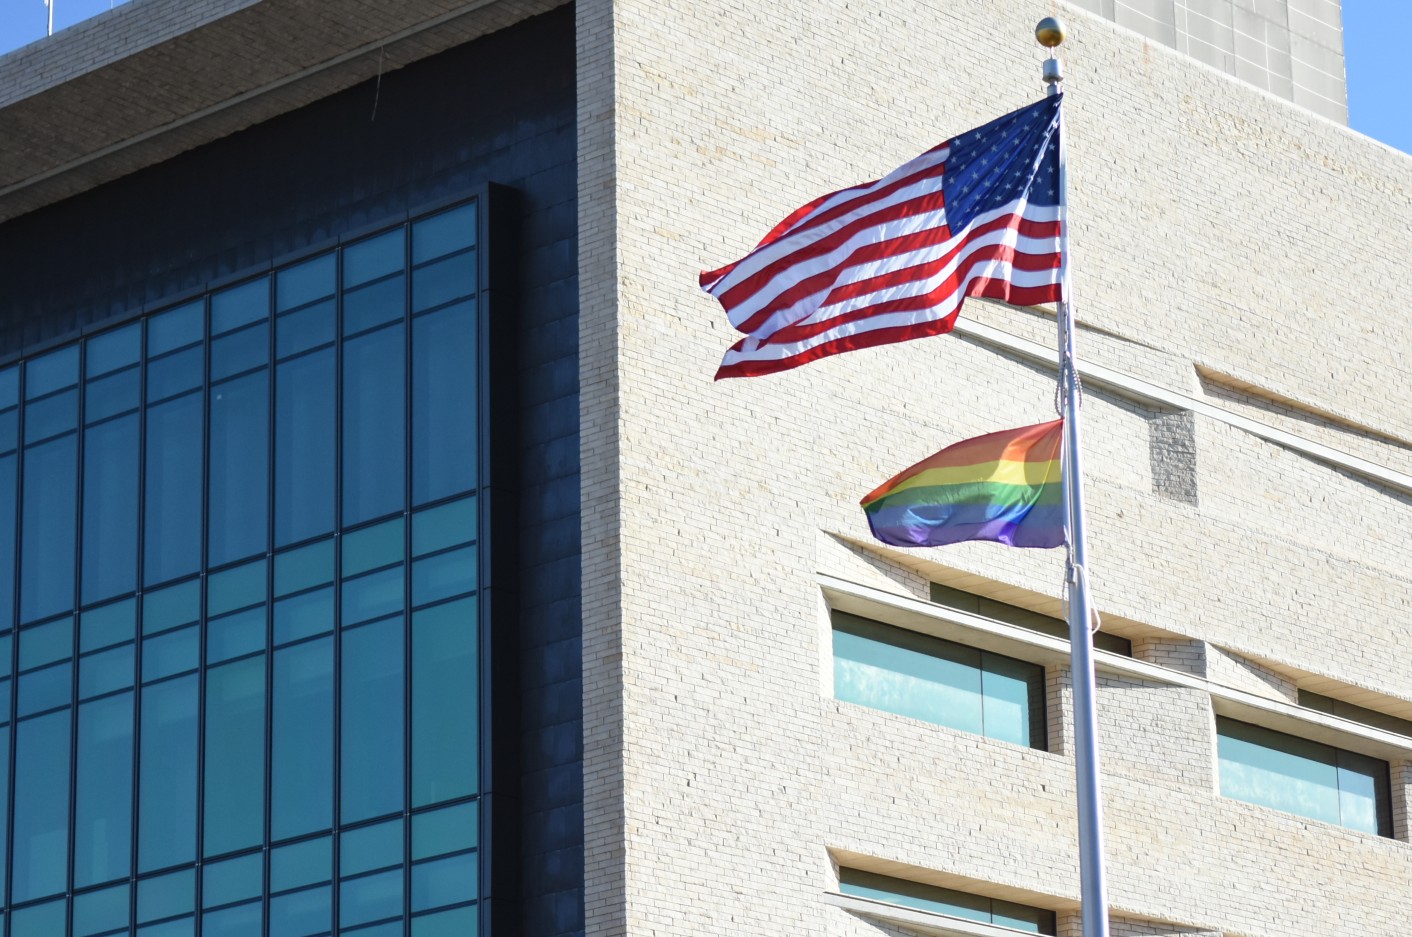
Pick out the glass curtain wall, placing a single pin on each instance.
(239, 635)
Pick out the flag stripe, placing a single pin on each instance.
(1004, 486)
(893, 259)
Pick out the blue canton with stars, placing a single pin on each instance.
(999, 162)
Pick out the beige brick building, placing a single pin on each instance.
(667, 748)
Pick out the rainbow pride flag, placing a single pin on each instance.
(1004, 487)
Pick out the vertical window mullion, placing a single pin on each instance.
(407, 574)
(6, 874)
(79, 432)
(337, 793)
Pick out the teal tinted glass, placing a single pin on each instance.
(443, 575)
(450, 829)
(167, 608)
(44, 920)
(99, 912)
(44, 644)
(938, 681)
(300, 864)
(9, 386)
(232, 880)
(106, 671)
(371, 898)
(170, 653)
(372, 547)
(51, 372)
(373, 595)
(1272, 769)
(304, 568)
(235, 588)
(235, 635)
(111, 624)
(946, 901)
(370, 847)
(445, 526)
(166, 896)
(440, 882)
(303, 615)
(457, 922)
(445, 736)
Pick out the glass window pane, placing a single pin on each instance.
(305, 329)
(444, 881)
(1260, 766)
(10, 386)
(1363, 793)
(914, 895)
(298, 864)
(111, 624)
(444, 405)
(51, 416)
(373, 258)
(4, 799)
(44, 644)
(175, 373)
(110, 464)
(240, 305)
(371, 725)
(171, 653)
(445, 526)
(167, 608)
(374, 304)
(374, 443)
(166, 896)
(106, 671)
(372, 547)
(41, 830)
(112, 350)
(239, 921)
(449, 231)
(373, 595)
(183, 927)
(305, 282)
(443, 281)
(370, 898)
(43, 920)
(7, 541)
(9, 430)
(117, 393)
(103, 820)
(302, 616)
(302, 913)
(370, 847)
(304, 447)
(1013, 699)
(234, 776)
(235, 588)
(302, 746)
(99, 912)
(172, 544)
(303, 568)
(44, 689)
(167, 788)
(458, 922)
(174, 329)
(235, 635)
(47, 373)
(239, 470)
(240, 351)
(441, 576)
(449, 829)
(49, 526)
(445, 714)
(232, 880)
(907, 673)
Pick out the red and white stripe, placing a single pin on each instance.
(876, 264)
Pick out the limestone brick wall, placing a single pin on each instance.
(1213, 225)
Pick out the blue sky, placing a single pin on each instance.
(1378, 101)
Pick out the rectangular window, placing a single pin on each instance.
(1272, 769)
(1022, 617)
(938, 681)
(946, 901)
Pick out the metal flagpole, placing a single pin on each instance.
(1093, 889)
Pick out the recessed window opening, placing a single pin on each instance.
(946, 901)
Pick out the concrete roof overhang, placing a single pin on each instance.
(148, 80)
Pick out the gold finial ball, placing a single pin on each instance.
(1050, 31)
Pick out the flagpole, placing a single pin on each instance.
(1092, 885)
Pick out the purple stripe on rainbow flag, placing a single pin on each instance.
(1003, 487)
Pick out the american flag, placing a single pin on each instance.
(892, 260)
